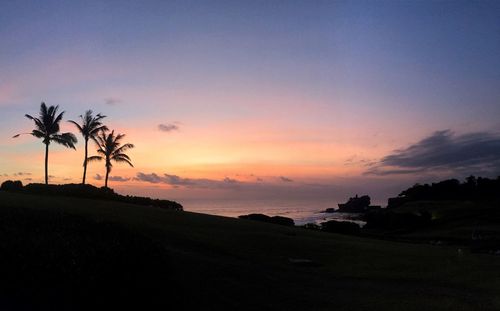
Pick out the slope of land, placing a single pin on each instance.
(452, 221)
(66, 252)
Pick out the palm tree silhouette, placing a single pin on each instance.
(47, 128)
(111, 149)
(89, 128)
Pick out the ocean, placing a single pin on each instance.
(301, 211)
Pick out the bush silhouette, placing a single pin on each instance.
(10, 185)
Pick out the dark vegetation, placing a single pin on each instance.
(447, 212)
(61, 252)
(278, 220)
(474, 189)
(466, 214)
(89, 192)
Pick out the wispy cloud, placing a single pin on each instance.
(22, 174)
(285, 179)
(229, 180)
(111, 101)
(356, 160)
(168, 127)
(472, 153)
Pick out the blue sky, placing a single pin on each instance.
(247, 82)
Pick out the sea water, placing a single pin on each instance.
(301, 211)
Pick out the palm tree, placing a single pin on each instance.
(111, 149)
(47, 128)
(90, 126)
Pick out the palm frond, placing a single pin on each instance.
(123, 148)
(120, 155)
(120, 160)
(38, 134)
(80, 129)
(110, 148)
(66, 139)
(94, 158)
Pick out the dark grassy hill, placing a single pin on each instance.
(453, 221)
(66, 252)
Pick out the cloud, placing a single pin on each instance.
(285, 179)
(356, 160)
(444, 151)
(169, 127)
(118, 178)
(111, 101)
(112, 178)
(165, 179)
(28, 179)
(230, 180)
(22, 174)
(177, 181)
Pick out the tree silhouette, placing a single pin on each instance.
(89, 128)
(111, 149)
(47, 128)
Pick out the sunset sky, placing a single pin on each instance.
(238, 99)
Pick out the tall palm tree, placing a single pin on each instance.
(47, 128)
(90, 126)
(111, 149)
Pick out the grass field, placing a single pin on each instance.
(65, 253)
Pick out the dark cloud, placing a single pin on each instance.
(118, 178)
(230, 180)
(356, 160)
(112, 178)
(177, 181)
(444, 151)
(285, 179)
(169, 127)
(22, 174)
(164, 179)
(111, 101)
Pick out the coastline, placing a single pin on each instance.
(301, 211)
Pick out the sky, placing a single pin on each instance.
(267, 99)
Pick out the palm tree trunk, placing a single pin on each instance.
(46, 164)
(106, 180)
(85, 162)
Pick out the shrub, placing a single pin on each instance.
(92, 192)
(278, 220)
(10, 185)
